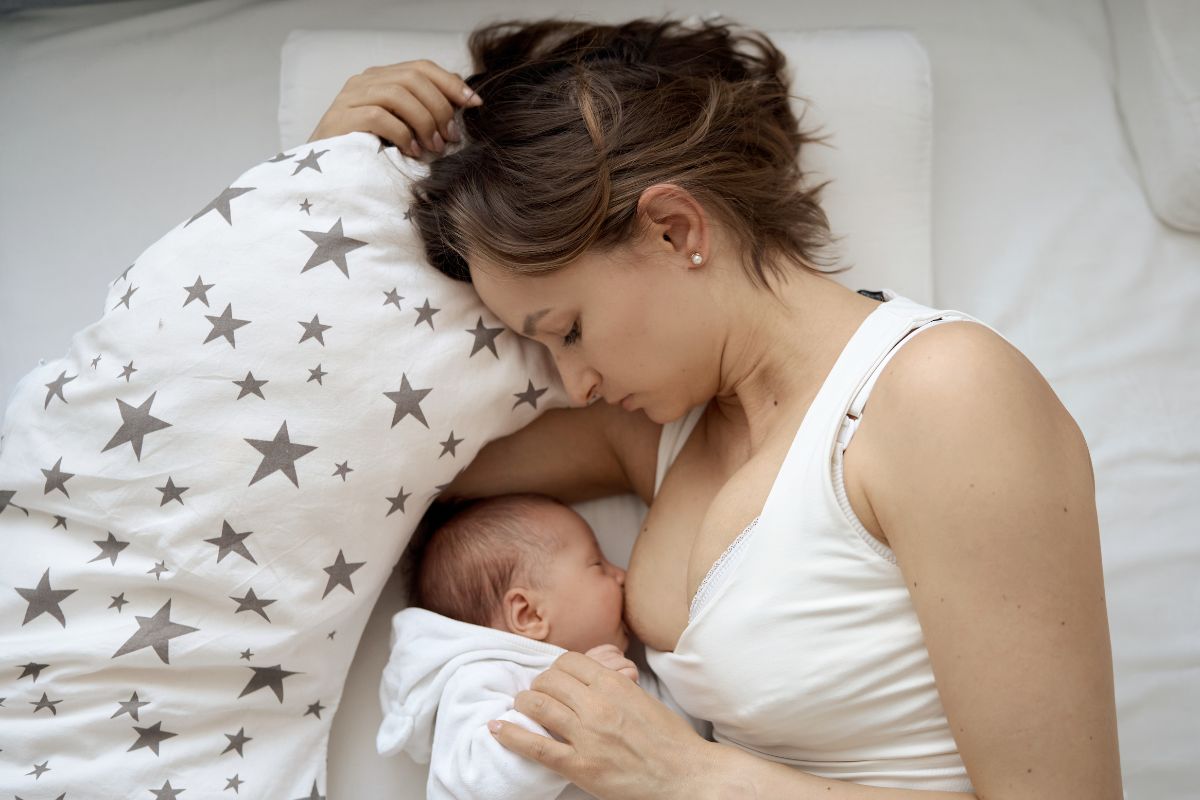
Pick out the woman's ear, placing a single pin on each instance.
(677, 222)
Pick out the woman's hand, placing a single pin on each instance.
(616, 741)
(411, 105)
(612, 657)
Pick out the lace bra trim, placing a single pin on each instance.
(726, 562)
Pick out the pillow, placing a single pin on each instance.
(201, 501)
(1157, 46)
(869, 88)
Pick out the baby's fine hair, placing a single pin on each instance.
(466, 555)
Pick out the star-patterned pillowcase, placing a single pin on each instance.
(200, 502)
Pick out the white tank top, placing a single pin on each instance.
(802, 644)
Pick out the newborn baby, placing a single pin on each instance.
(499, 590)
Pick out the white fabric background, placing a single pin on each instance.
(110, 132)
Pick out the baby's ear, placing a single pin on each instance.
(523, 615)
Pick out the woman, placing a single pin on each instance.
(884, 599)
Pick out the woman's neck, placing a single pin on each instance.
(779, 350)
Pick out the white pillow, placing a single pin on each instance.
(202, 500)
(1158, 85)
(870, 88)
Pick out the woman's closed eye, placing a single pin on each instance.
(573, 335)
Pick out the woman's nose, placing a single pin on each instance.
(582, 383)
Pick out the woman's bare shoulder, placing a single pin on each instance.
(983, 485)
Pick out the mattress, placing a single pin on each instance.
(118, 118)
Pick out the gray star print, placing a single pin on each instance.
(332, 245)
(57, 479)
(246, 655)
(397, 501)
(32, 668)
(313, 795)
(425, 314)
(233, 783)
(45, 702)
(109, 548)
(127, 371)
(250, 385)
(236, 741)
(408, 401)
(130, 707)
(38, 769)
(118, 600)
(310, 161)
(251, 602)
(484, 337)
(224, 325)
(280, 157)
(6, 496)
(316, 375)
(172, 492)
(166, 792)
(342, 469)
(220, 204)
(159, 568)
(339, 574)
(267, 677)
(58, 518)
(390, 297)
(305, 206)
(136, 423)
(449, 445)
(150, 737)
(230, 541)
(44, 600)
(530, 395)
(56, 387)
(314, 330)
(198, 291)
(279, 454)
(129, 290)
(315, 709)
(95, 361)
(155, 632)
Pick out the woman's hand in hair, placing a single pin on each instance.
(614, 740)
(411, 104)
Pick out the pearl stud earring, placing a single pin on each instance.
(697, 259)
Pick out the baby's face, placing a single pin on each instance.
(585, 594)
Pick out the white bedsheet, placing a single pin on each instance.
(111, 132)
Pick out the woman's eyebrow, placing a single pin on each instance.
(531, 321)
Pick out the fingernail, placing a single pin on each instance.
(494, 726)
(472, 98)
(438, 143)
(453, 132)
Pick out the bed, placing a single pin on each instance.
(117, 116)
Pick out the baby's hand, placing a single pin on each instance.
(610, 655)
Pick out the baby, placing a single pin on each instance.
(498, 590)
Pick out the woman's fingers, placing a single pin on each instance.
(454, 88)
(407, 108)
(541, 749)
(548, 712)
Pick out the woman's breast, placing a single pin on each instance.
(701, 507)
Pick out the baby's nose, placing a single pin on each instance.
(620, 575)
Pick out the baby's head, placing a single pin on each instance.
(522, 563)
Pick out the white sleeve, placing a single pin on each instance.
(466, 762)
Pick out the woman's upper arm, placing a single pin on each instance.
(983, 485)
(573, 454)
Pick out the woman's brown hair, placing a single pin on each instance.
(578, 119)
